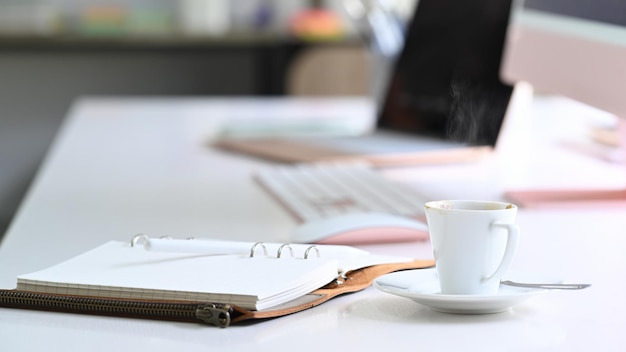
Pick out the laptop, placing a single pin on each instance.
(444, 101)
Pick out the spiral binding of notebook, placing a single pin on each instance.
(219, 247)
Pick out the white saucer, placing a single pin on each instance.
(422, 286)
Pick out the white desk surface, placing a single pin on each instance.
(124, 166)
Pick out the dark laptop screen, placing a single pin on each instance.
(445, 82)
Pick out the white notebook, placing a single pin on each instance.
(118, 270)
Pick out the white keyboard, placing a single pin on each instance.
(311, 191)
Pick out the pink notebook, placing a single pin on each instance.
(568, 198)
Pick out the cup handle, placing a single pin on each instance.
(509, 253)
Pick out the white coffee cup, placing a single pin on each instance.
(474, 243)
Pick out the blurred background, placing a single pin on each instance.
(53, 51)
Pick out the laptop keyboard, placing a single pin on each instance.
(313, 191)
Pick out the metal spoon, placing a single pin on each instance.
(546, 286)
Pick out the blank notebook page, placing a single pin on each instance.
(117, 270)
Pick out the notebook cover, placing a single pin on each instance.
(217, 314)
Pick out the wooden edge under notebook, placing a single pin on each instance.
(221, 315)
